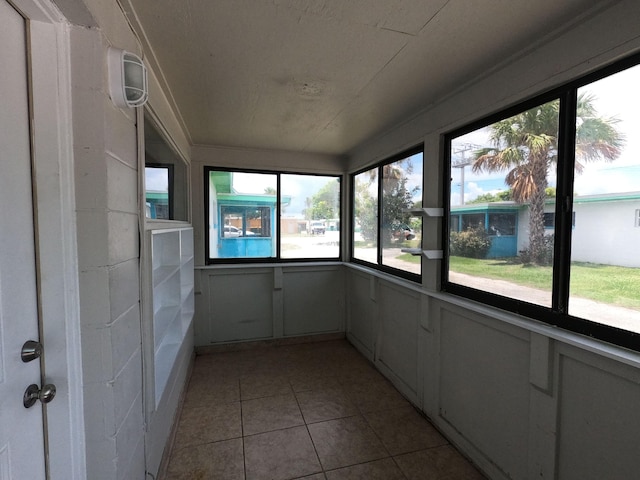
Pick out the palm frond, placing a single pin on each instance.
(522, 182)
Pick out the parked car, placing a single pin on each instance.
(230, 231)
(402, 232)
(317, 228)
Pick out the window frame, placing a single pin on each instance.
(557, 315)
(277, 237)
(379, 168)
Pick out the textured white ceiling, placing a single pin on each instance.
(325, 75)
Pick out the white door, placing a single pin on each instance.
(21, 429)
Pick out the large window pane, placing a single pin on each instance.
(503, 179)
(383, 225)
(310, 216)
(242, 209)
(401, 191)
(365, 216)
(605, 264)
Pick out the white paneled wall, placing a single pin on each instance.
(397, 347)
(266, 302)
(598, 419)
(520, 399)
(519, 403)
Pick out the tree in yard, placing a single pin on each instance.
(397, 199)
(325, 204)
(502, 196)
(366, 211)
(526, 145)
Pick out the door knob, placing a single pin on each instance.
(33, 393)
(31, 350)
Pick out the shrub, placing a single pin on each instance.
(544, 257)
(471, 243)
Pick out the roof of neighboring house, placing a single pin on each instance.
(607, 197)
(483, 207)
(157, 195)
(511, 205)
(252, 199)
(222, 180)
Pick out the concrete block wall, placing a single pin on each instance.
(521, 400)
(106, 176)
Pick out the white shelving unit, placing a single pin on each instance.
(172, 298)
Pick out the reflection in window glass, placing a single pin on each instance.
(242, 209)
(157, 180)
(473, 220)
(401, 191)
(166, 178)
(310, 216)
(605, 265)
(503, 182)
(245, 221)
(365, 216)
(502, 224)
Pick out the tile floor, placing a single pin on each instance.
(314, 411)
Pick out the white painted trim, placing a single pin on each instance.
(55, 210)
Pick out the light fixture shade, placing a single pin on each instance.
(128, 83)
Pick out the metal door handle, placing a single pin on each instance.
(31, 350)
(33, 393)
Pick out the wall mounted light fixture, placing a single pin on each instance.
(128, 84)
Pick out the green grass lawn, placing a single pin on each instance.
(602, 283)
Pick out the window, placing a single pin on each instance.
(165, 178)
(310, 222)
(638, 217)
(159, 182)
(576, 144)
(550, 220)
(382, 224)
(268, 216)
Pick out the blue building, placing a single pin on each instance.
(245, 222)
(499, 219)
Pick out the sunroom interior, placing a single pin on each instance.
(171, 258)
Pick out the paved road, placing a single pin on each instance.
(620, 317)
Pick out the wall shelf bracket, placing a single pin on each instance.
(427, 212)
(428, 254)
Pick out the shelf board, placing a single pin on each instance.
(164, 359)
(428, 254)
(162, 321)
(427, 212)
(163, 273)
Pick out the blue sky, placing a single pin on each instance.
(616, 96)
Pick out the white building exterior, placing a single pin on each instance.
(605, 231)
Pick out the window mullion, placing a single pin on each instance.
(564, 201)
(278, 217)
(379, 222)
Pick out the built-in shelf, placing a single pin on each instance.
(428, 254)
(172, 297)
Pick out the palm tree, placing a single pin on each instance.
(527, 146)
